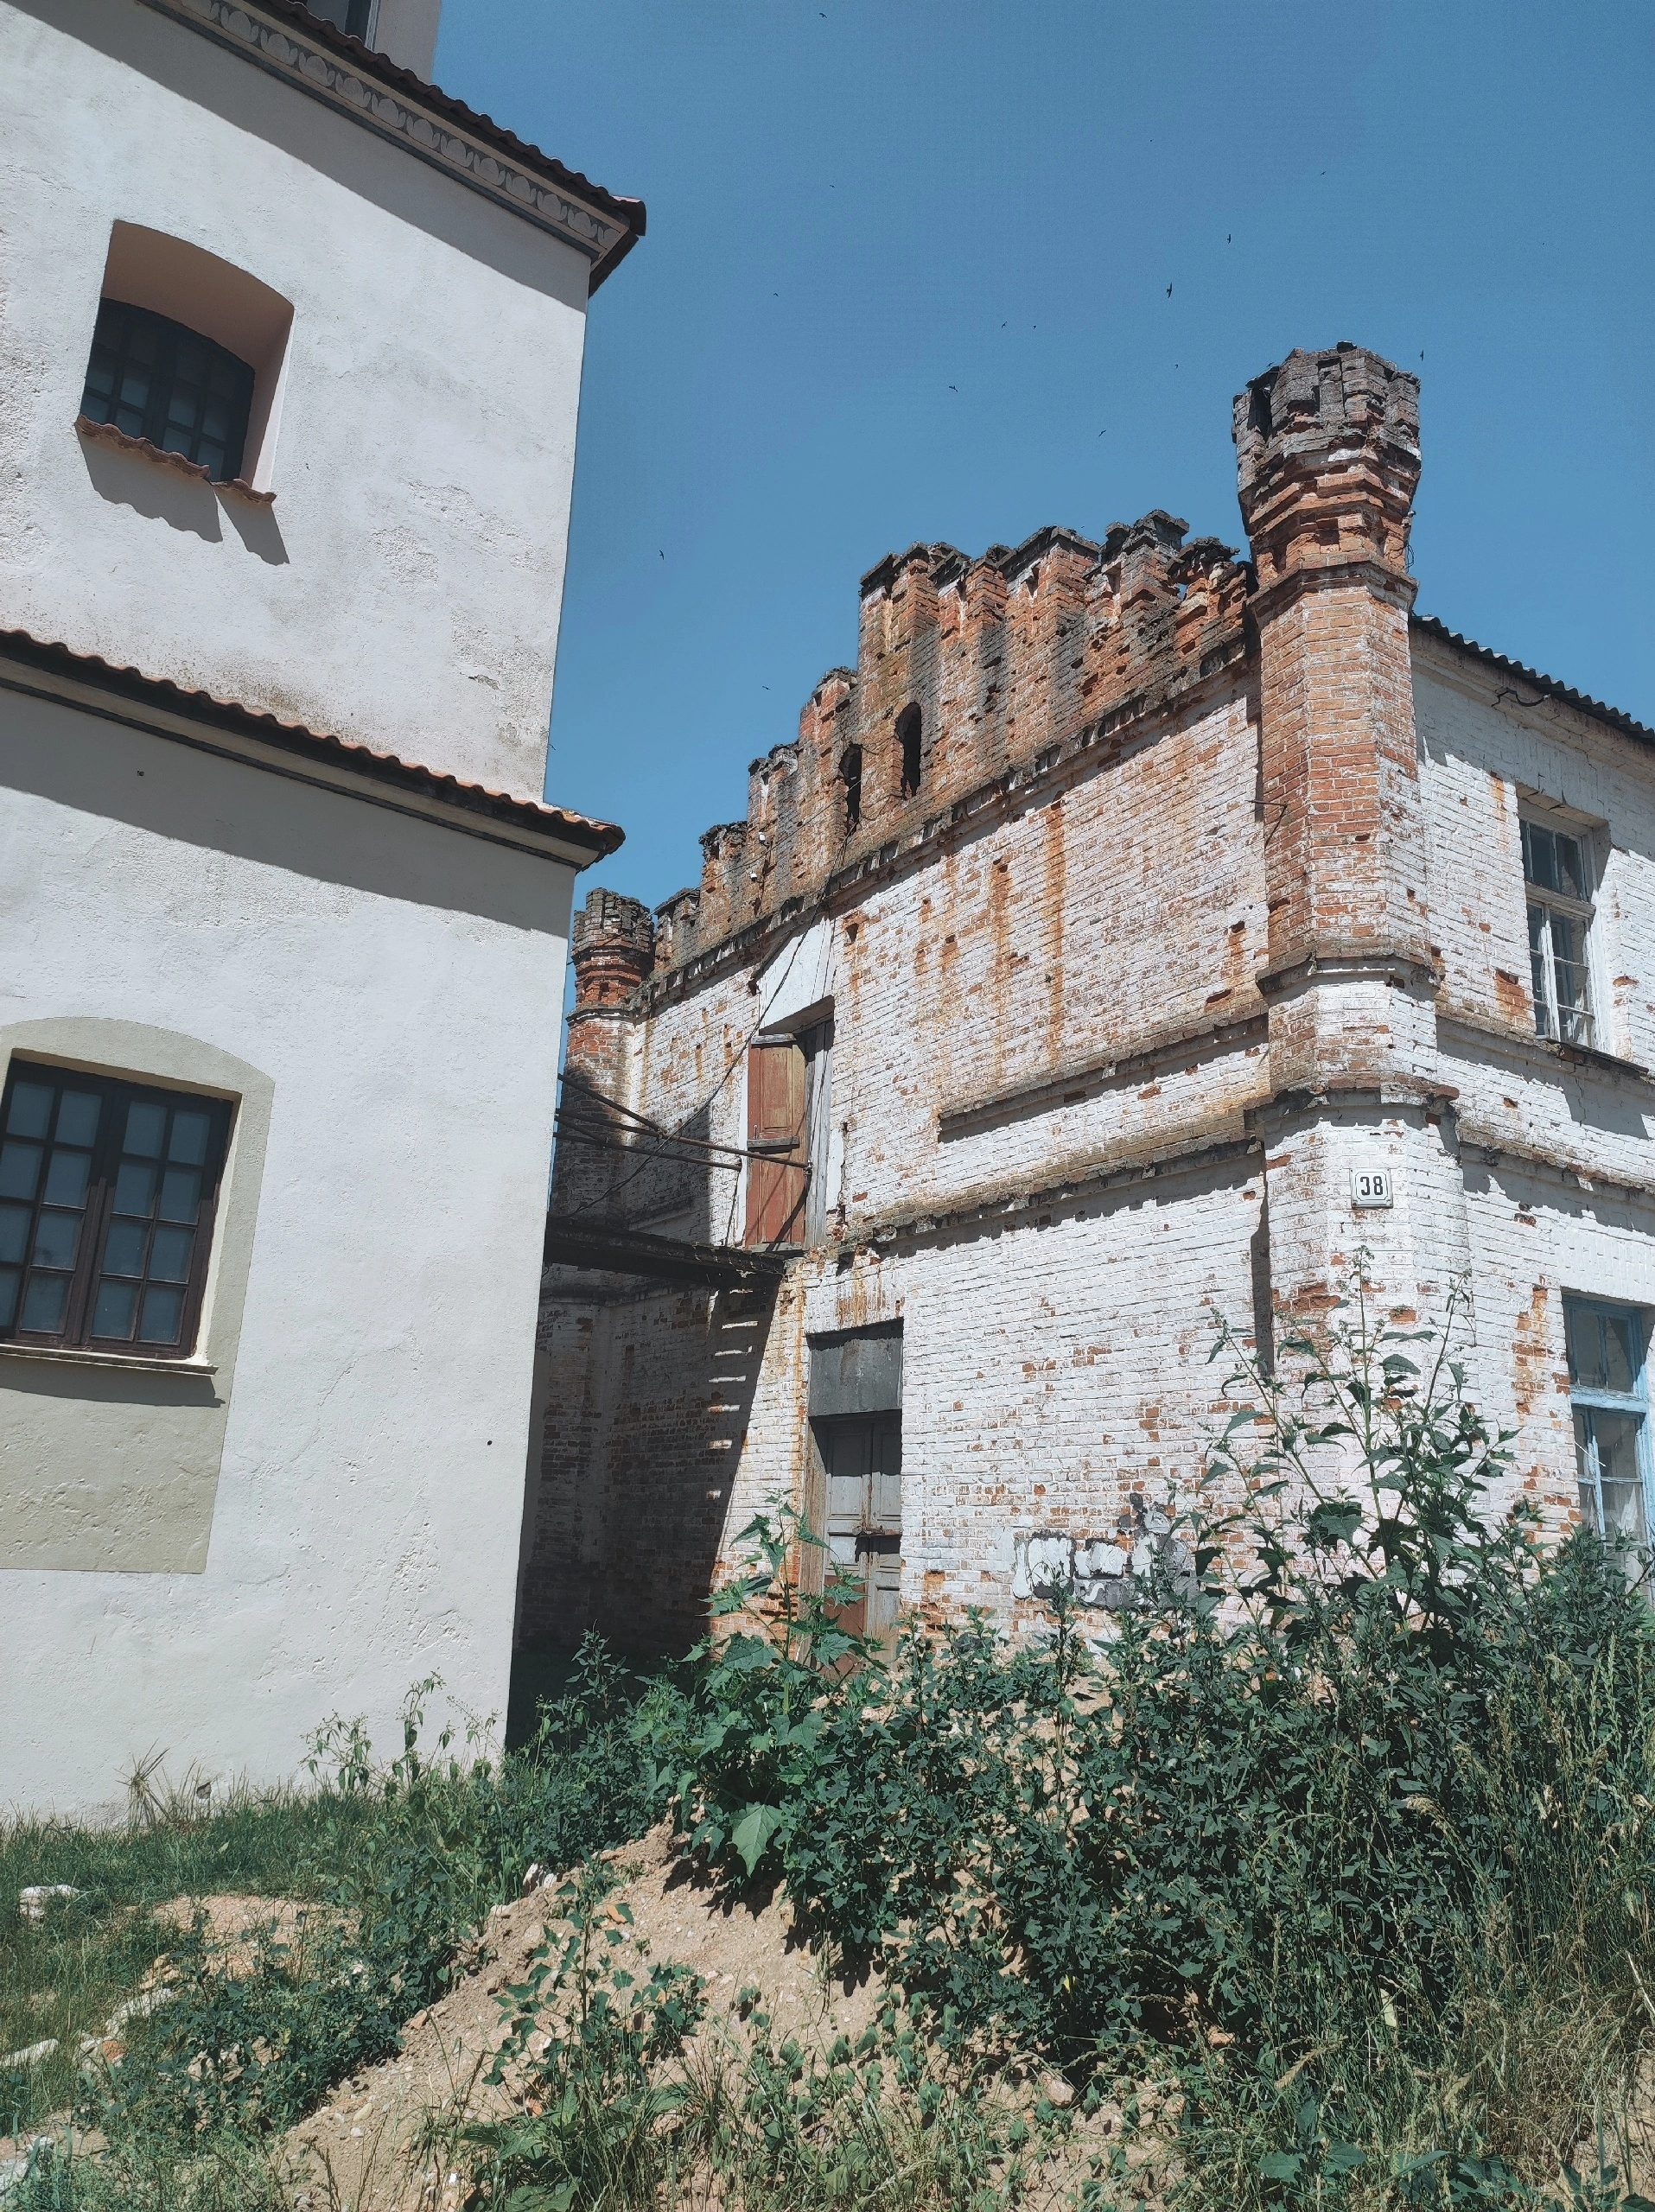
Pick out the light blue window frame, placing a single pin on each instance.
(1586, 1398)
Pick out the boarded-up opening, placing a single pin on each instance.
(776, 1175)
(856, 1408)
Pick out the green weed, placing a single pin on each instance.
(396, 1863)
(1359, 1806)
(620, 2111)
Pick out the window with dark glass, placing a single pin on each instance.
(153, 378)
(107, 1196)
(1557, 869)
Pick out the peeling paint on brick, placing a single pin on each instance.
(1211, 894)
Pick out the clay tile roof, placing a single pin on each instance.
(1548, 686)
(628, 214)
(595, 838)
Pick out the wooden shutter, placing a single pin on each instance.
(775, 1132)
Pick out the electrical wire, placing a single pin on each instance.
(737, 1059)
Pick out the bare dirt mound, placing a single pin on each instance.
(377, 2144)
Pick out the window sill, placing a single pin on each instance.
(1589, 1056)
(1527, 1038)
(106, 433)
(126, 1362)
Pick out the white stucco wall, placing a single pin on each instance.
(355, 1473)
(406, 30)
(404, 587)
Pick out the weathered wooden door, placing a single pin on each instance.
(775, 1134)
(861, 1461)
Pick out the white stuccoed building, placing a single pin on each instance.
(290, 352)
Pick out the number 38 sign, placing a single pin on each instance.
(1370, 1186)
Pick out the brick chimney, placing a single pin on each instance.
(1327, 460)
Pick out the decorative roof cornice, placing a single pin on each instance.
(286, 40)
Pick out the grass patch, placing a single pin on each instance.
(61, 1977)
(398, 1863)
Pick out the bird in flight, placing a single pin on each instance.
(1169, 291)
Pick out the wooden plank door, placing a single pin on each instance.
(775, 1132)
(861, 1460)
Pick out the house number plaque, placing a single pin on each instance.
(1370, 1186)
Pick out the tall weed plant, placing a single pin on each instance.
(1352, 1817)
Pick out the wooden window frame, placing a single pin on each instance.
(789, 1129)
(1563, 1023)
(96, 1212)
(778, 1167)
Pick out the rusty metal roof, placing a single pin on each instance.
(1548, 686)
(598, 838)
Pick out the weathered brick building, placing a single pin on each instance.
(1129, 919)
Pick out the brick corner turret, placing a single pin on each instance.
(612, 949)
(1327, 462)
(1327, 459)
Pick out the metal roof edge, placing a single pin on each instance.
(1431, 627)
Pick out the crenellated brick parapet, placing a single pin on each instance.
(1327, 462)
(968, 671)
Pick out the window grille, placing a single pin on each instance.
(1608, 1393)
(1557, 869)
(153, 378)
(107, 1196)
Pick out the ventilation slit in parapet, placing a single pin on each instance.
(910, 729)
(850, 776)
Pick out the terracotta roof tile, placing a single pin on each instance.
(598, 837)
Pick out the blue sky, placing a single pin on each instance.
(906, 277)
